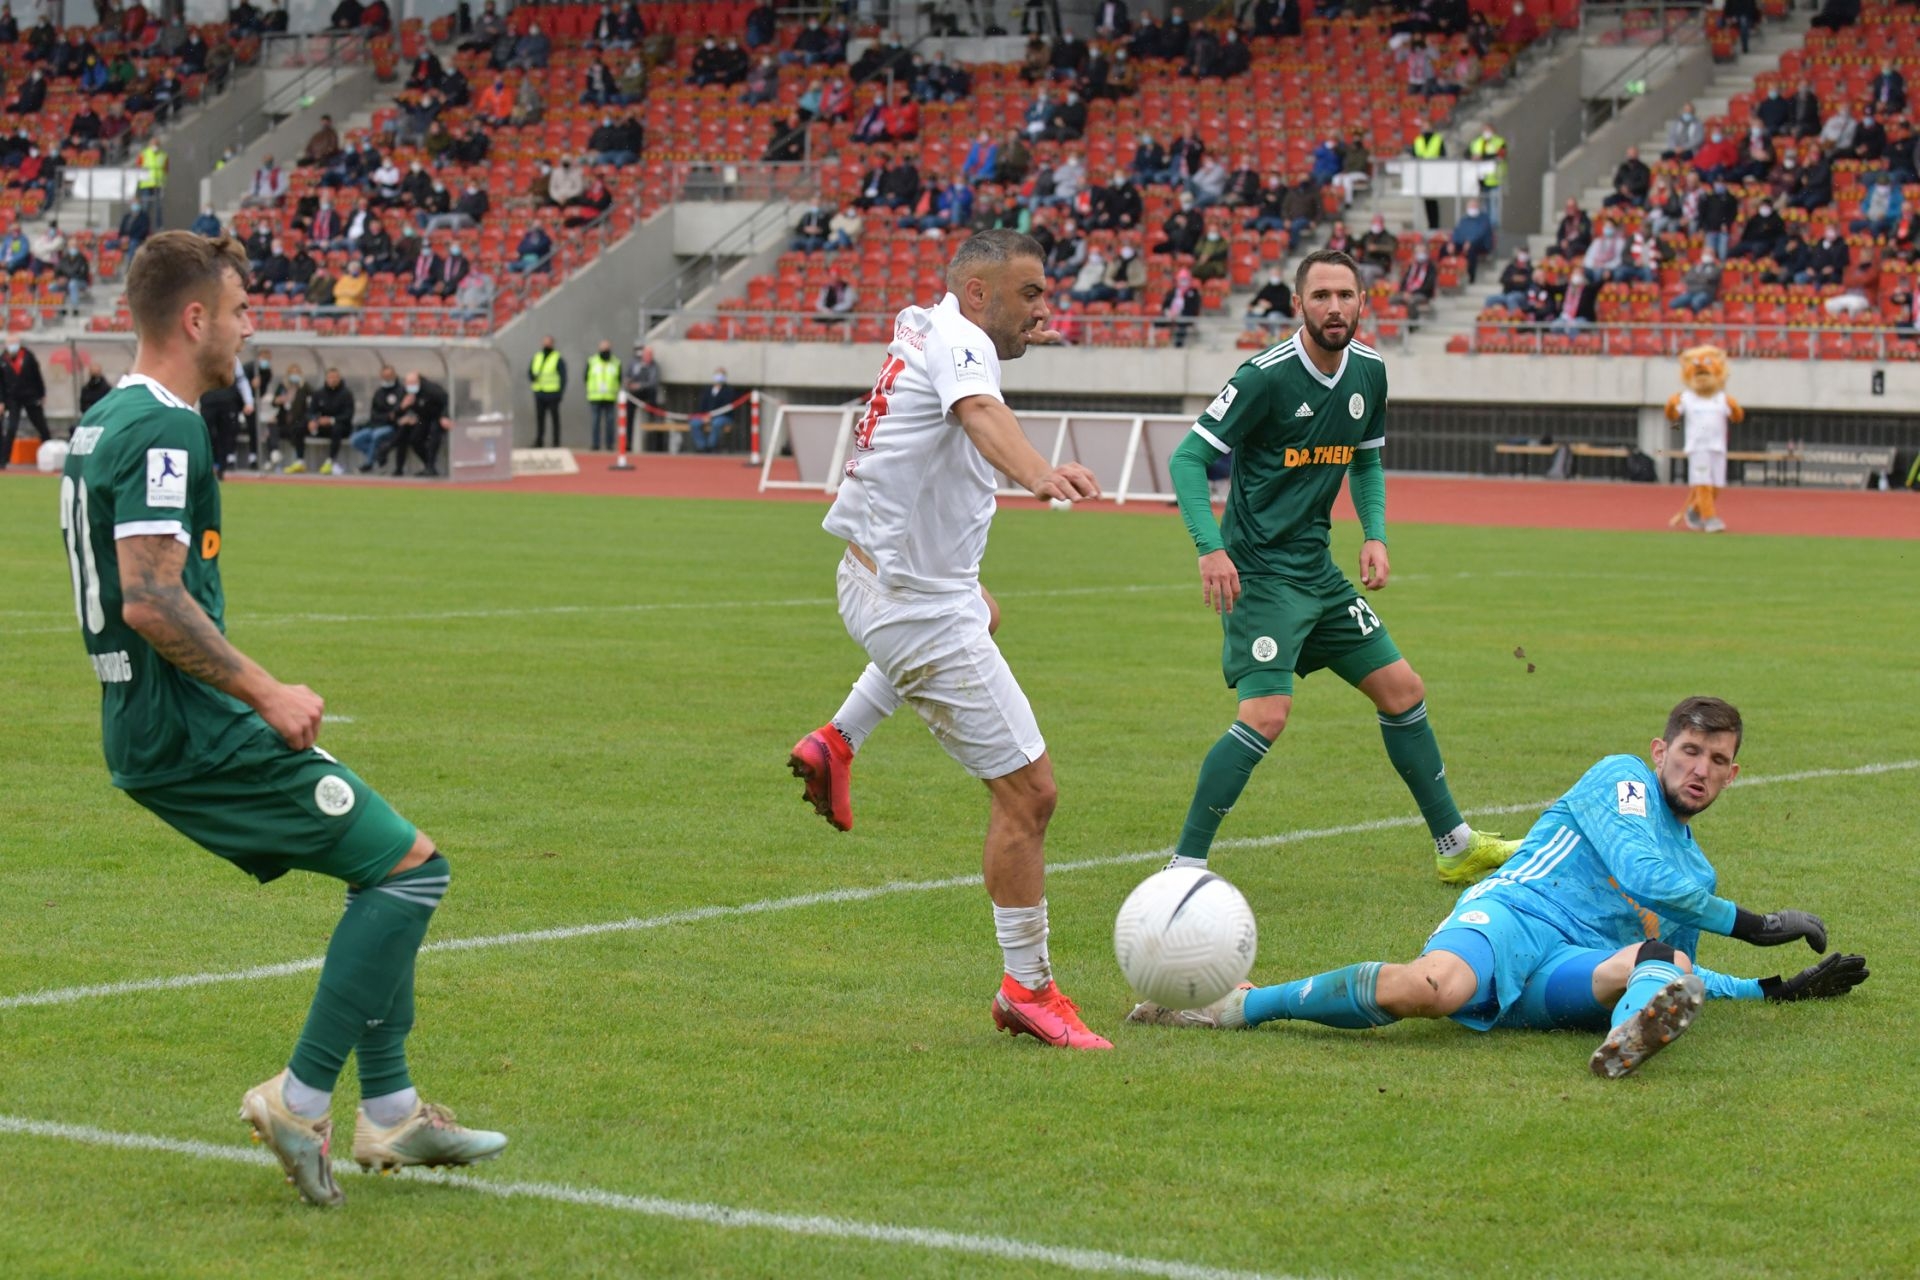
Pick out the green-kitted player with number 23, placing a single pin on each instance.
(1298, 419)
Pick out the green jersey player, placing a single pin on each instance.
(207, 740)
(1298, 419)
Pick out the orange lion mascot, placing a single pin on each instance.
(1705, 411)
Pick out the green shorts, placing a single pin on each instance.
(1281, 627)
(269, 810)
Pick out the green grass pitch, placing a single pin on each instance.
(588, 703)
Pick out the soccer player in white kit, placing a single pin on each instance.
(1705, 420)
(914, 510)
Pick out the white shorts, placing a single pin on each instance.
(935, 651)
(1707, 466)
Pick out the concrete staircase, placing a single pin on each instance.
(1455, 313)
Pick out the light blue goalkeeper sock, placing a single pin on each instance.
(1343, 998)
(1642, 985)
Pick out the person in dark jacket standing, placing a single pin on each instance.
(547, 373)
(26, 393)
(421, 422)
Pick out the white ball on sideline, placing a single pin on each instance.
(1184, 938)
(52, 456)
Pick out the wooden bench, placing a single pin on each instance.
(1787, 462)
(1518, 454)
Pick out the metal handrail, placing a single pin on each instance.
(1617, 337)
(1211, 332)
(666, 298)
(344, 51)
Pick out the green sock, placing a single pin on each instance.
(371, 955)
(1223, 776)
(1415, 752)
(382, 1052)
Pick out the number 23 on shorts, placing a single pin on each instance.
(1363, 616)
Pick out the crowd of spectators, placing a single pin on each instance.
(1810, 194)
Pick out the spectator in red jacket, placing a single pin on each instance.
(903, 118)
(1718, 158)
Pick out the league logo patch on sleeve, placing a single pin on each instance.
(166, 477)
(968, 363)
(1222, 402)
(1632, 798)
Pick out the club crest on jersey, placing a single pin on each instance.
(1222, 402)
(166, 477)
(1264, 648)
(1357, 406)
(1632, 798)
(968, 363)
(333, 795)
(1475, 917)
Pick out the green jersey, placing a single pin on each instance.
(1293, 432)
(141, 464)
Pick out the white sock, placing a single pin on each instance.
(1022, 932)
(1182, 860)
(389, 1109)
(1455, 841)
(873, 699)
(304, 1100)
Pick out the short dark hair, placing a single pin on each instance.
(1704, 715)
(990, 249)
(171, 266)
(1329, 258)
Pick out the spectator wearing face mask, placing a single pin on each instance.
(1272, 307)
(422, 418)
(1473, 237)
(25, 393)
(713, 415)
(371, 440)
(290, 401)
(603, 397)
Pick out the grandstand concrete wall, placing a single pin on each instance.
(601, 301)
(1519, 118)
(194, 147)
(1593, 162)
(352, 92)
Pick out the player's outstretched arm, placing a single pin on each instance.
(997, 434)
(1835, 975)
(155, 602)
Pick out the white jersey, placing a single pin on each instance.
(1705, 419)
(918, 496)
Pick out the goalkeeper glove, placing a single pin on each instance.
(1834, 976)
(1777, 927)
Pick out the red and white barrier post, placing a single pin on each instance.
(753, 419)
(620, 462)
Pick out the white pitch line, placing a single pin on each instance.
(691, 915)
(798, 602)
(1098, 1261)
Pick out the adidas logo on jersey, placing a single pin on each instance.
(1304, 411)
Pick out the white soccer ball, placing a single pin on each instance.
(1184, 938)
(52, 456)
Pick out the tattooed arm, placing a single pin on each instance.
(156, 604)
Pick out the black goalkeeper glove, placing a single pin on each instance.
(1777, 927)
(1834, 976)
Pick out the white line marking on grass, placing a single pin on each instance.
(692, 915)
(332, 719)
(796, 602)
(707, 1214)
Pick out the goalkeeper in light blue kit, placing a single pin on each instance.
(1590, 925)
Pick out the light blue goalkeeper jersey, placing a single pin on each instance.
(1608, 865)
